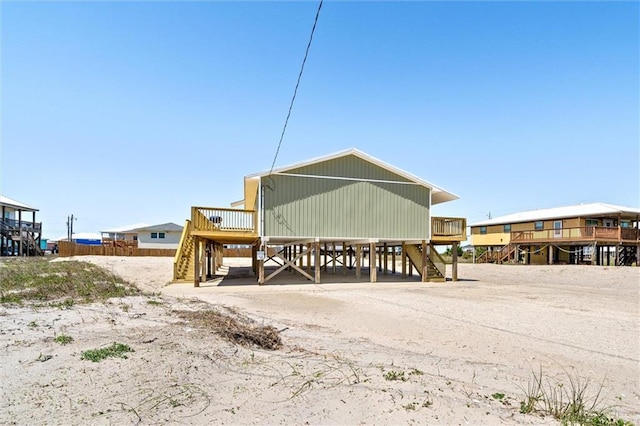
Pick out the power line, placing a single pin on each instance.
(295, 91)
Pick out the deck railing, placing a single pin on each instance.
(453, 227)
(585, 233)
(15, 225)
(222, 219)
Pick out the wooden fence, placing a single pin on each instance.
(66, 249)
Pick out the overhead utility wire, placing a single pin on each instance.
(295, 91)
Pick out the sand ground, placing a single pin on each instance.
(394, 352)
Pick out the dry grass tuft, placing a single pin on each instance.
(235, 328)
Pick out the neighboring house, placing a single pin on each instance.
(596, 233)
(166, 236)
(329, 211)
(20, 234)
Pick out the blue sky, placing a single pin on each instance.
(126, 112)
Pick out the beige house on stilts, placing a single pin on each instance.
(326, 215)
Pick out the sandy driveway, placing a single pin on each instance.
(398, 352)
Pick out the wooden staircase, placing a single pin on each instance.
(626, 256)
(183, 261)
(435, 264)
(31, 245)
(503, 255)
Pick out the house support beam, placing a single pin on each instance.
(386, 260)
(403, 257)
(317, 266)
(344, 258)
(373, 274)
(425, 269)
(454, 261)
(196, 260)
(393, 260)
(358, 260)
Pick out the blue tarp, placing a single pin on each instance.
(86, 242)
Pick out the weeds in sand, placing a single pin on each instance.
(32, 324)
(498, 396)
(324, 375)
(395, 375)
(63, 339)
(154, 303)
(571, 401)
(64, 304)
(39, 279)
(115, 350)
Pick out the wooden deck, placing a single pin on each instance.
(448, 229)
(226, 226)
(587, 234)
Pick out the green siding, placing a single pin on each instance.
(298, 206)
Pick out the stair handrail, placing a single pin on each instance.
(186, 231)
(438, 261)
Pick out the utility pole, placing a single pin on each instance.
(70, 228)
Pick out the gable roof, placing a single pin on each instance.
(9, 202)
(438, 195)
(579, 210)
(163, 227)
(128, 229)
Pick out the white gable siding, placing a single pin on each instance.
(170, 240)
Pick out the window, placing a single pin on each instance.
(483, 229)
(507, 228)
(539, 225)
(135, 238)
(160, 234)
(592, 222)
(154, 235)
(625, 224)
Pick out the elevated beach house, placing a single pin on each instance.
(326, 215)
(20, 234)
(596, 233)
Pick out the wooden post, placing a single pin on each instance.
(317, 265)
(203, 265)
(386, 259)
(373, 274)
(20, 247)
(261, 270)
(358, 260)
(309, 258)
(196, 260)
(379, 253)
(403, 257)
(264, 248)
(344, 258)
(550, 260)
(333, 261)
(300, 250)
(393, 260)
(425, 270)
(254, 262)
(454, 261)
